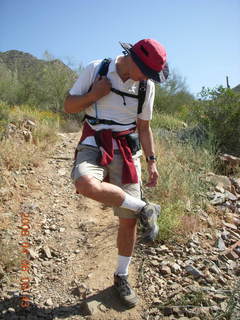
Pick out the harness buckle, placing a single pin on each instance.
(94, 121)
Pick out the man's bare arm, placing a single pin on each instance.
(78, 103)
(146, 139)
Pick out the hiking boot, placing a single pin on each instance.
(126, 293)
(148, 218)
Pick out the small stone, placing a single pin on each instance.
(222, 280)
(219, 297)
(33, 254)
(209, 278)
(194, 271)
(102, 308)
(49, 302)
(155, 263)
(230, 225)
(175, 268)
(162, 249)
(156, 300)
(62, 172)
(165, 270)
(30, 123)
(53, 227)
(47, 252)
(214, 269)
(231, 255)
(230, 196)
(90, 307)
(220, 244)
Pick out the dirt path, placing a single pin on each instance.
(73, 256)
(73, 253)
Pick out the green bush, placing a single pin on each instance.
(180, 190)
(4, 117)
(166, 121)
(172, 94)
(218, 113)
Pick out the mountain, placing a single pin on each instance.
(237, 88)
(24, 79)
(24, 63)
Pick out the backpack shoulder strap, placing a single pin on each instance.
(141, 94)
(103, 70)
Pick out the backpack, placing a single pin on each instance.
(103, 70)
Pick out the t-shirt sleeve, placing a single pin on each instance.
(85, 79)
(147, 108)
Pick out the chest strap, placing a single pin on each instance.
(93, 121)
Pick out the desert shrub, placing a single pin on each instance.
(180, 188)
(172, 94)
(166, 121)
(18, 114)
(4, 117)
(217, 112)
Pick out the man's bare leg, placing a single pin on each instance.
(125, 242)
(104, 192)
(126, 236)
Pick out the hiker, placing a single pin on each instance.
(117, 97)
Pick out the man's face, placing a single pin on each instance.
(135, 73)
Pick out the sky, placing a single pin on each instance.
(202, 37)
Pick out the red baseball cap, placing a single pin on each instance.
(151, 58)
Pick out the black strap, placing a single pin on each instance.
(141, 94)
(103, 70)
(123, 94)
(94, 121)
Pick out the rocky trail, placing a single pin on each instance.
(72, 258)
(73, 249)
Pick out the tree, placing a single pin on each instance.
(217, 112)
(172, 95)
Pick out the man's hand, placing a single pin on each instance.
(152, 174)
(101, 87)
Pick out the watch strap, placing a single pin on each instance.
(151, 158)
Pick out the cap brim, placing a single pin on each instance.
(126, 46)
(158, 77)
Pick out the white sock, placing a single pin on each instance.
(132, 203)
(123, 263)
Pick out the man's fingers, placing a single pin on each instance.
(152, 181)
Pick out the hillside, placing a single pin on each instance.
(24, 63)
(237, 88)
(24, 79)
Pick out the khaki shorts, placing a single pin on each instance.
(86, 164)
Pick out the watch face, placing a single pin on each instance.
(151, 158)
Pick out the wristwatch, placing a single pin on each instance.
(152, 157)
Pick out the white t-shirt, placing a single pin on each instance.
(111, 106)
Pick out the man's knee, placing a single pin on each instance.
(86, 185)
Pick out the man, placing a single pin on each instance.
(104, 149)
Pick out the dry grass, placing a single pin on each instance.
(15, 155)
(19, 153)
(180, 190)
